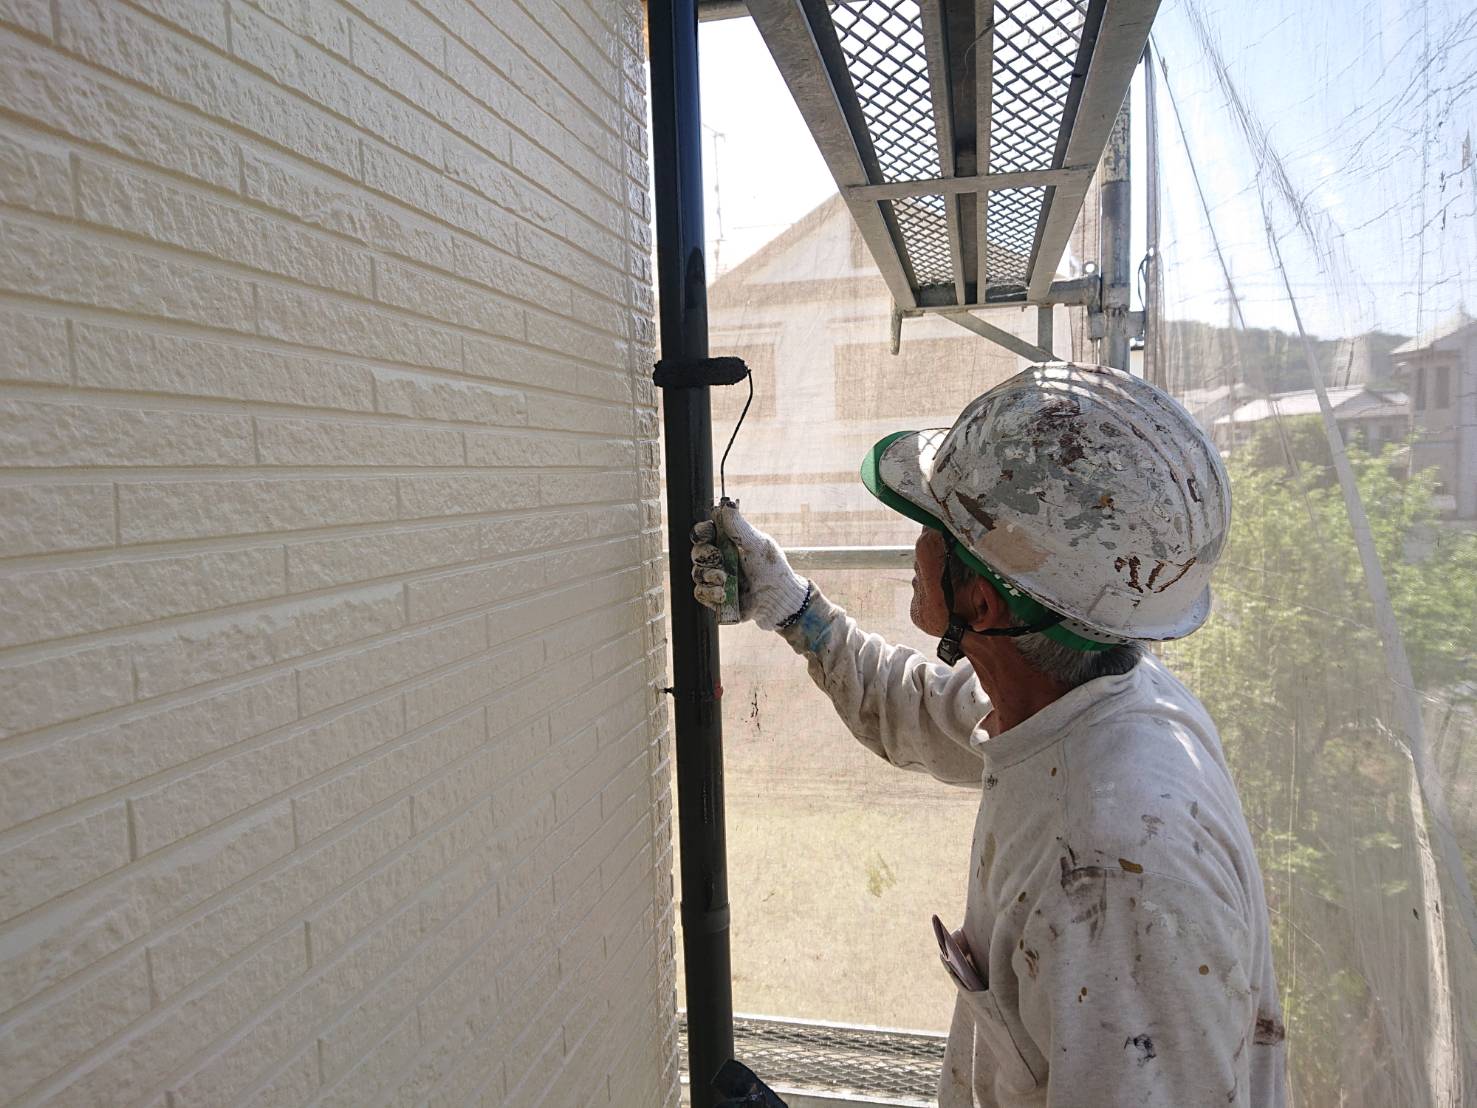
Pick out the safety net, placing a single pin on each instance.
(1305, 242)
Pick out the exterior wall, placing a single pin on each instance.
(1444, 435)
(331, 764)
(1465, 400)
(1436, 440)
(1462, 434)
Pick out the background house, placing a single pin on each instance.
(1208, 404)
(1372, 418)
(1439, 371)
(810, 314)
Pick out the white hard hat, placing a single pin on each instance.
(1083, 489)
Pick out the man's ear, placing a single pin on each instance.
(984, 608)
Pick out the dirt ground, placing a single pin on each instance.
(836, 859)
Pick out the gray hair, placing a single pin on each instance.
(1057, 660)
(1074, 667)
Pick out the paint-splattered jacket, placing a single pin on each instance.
(1115, 904)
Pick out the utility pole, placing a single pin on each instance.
(1114, 244)
(1155, 370)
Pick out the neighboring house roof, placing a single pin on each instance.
(1208, 395)
(1442, 333)
(760, 260)
(1206, 405)
(1357, 402)
(817, 258)
(1200, 402)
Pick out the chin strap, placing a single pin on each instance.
(951, 646)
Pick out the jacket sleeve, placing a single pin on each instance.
(916, 713)
(1136, 989)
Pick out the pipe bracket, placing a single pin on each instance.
(704, 921)
(702, 696)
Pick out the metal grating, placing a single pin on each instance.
(883, 44)
(1036, 43)
(834, 1058)
(1035, 50)
(1011, 225)
(963, 134)
(925, 226)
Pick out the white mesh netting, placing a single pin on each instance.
(1316, 262)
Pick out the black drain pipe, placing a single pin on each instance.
(676, 142)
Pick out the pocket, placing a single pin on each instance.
(995, 1045)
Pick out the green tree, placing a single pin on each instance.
(1290, 667)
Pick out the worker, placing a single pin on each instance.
(1115, 941)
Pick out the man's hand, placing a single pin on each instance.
(769, 590)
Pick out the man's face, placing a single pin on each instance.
(928, 611)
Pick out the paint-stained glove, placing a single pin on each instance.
(770, 592)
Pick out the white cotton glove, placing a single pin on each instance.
(769, 590)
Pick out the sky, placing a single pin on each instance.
(1368, 106)
(761, 169)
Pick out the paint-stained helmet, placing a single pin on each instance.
(1078, 490)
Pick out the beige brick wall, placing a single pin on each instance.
(331, 765)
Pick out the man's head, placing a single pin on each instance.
(979, 606)
(1081, 507)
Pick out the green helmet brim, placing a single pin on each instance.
(1025, 608)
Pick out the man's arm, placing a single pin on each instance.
(1136, 988)
(916, 713)
(909, 709)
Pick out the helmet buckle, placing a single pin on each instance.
(951, 646)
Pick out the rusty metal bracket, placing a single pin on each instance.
(697, 695)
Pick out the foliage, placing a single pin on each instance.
(1292, 670)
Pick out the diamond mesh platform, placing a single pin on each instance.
(868, 1062)
(1012, 229)
(883, 44)
(1035, 47)
(926, 231)
(1036, 44)
(963, 135)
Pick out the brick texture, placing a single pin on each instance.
(333, 766)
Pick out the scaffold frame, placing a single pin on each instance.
(962, 134)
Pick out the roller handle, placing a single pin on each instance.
(729, 611)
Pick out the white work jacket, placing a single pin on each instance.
(1115, 908)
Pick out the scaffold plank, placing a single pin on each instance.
(951, 120)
